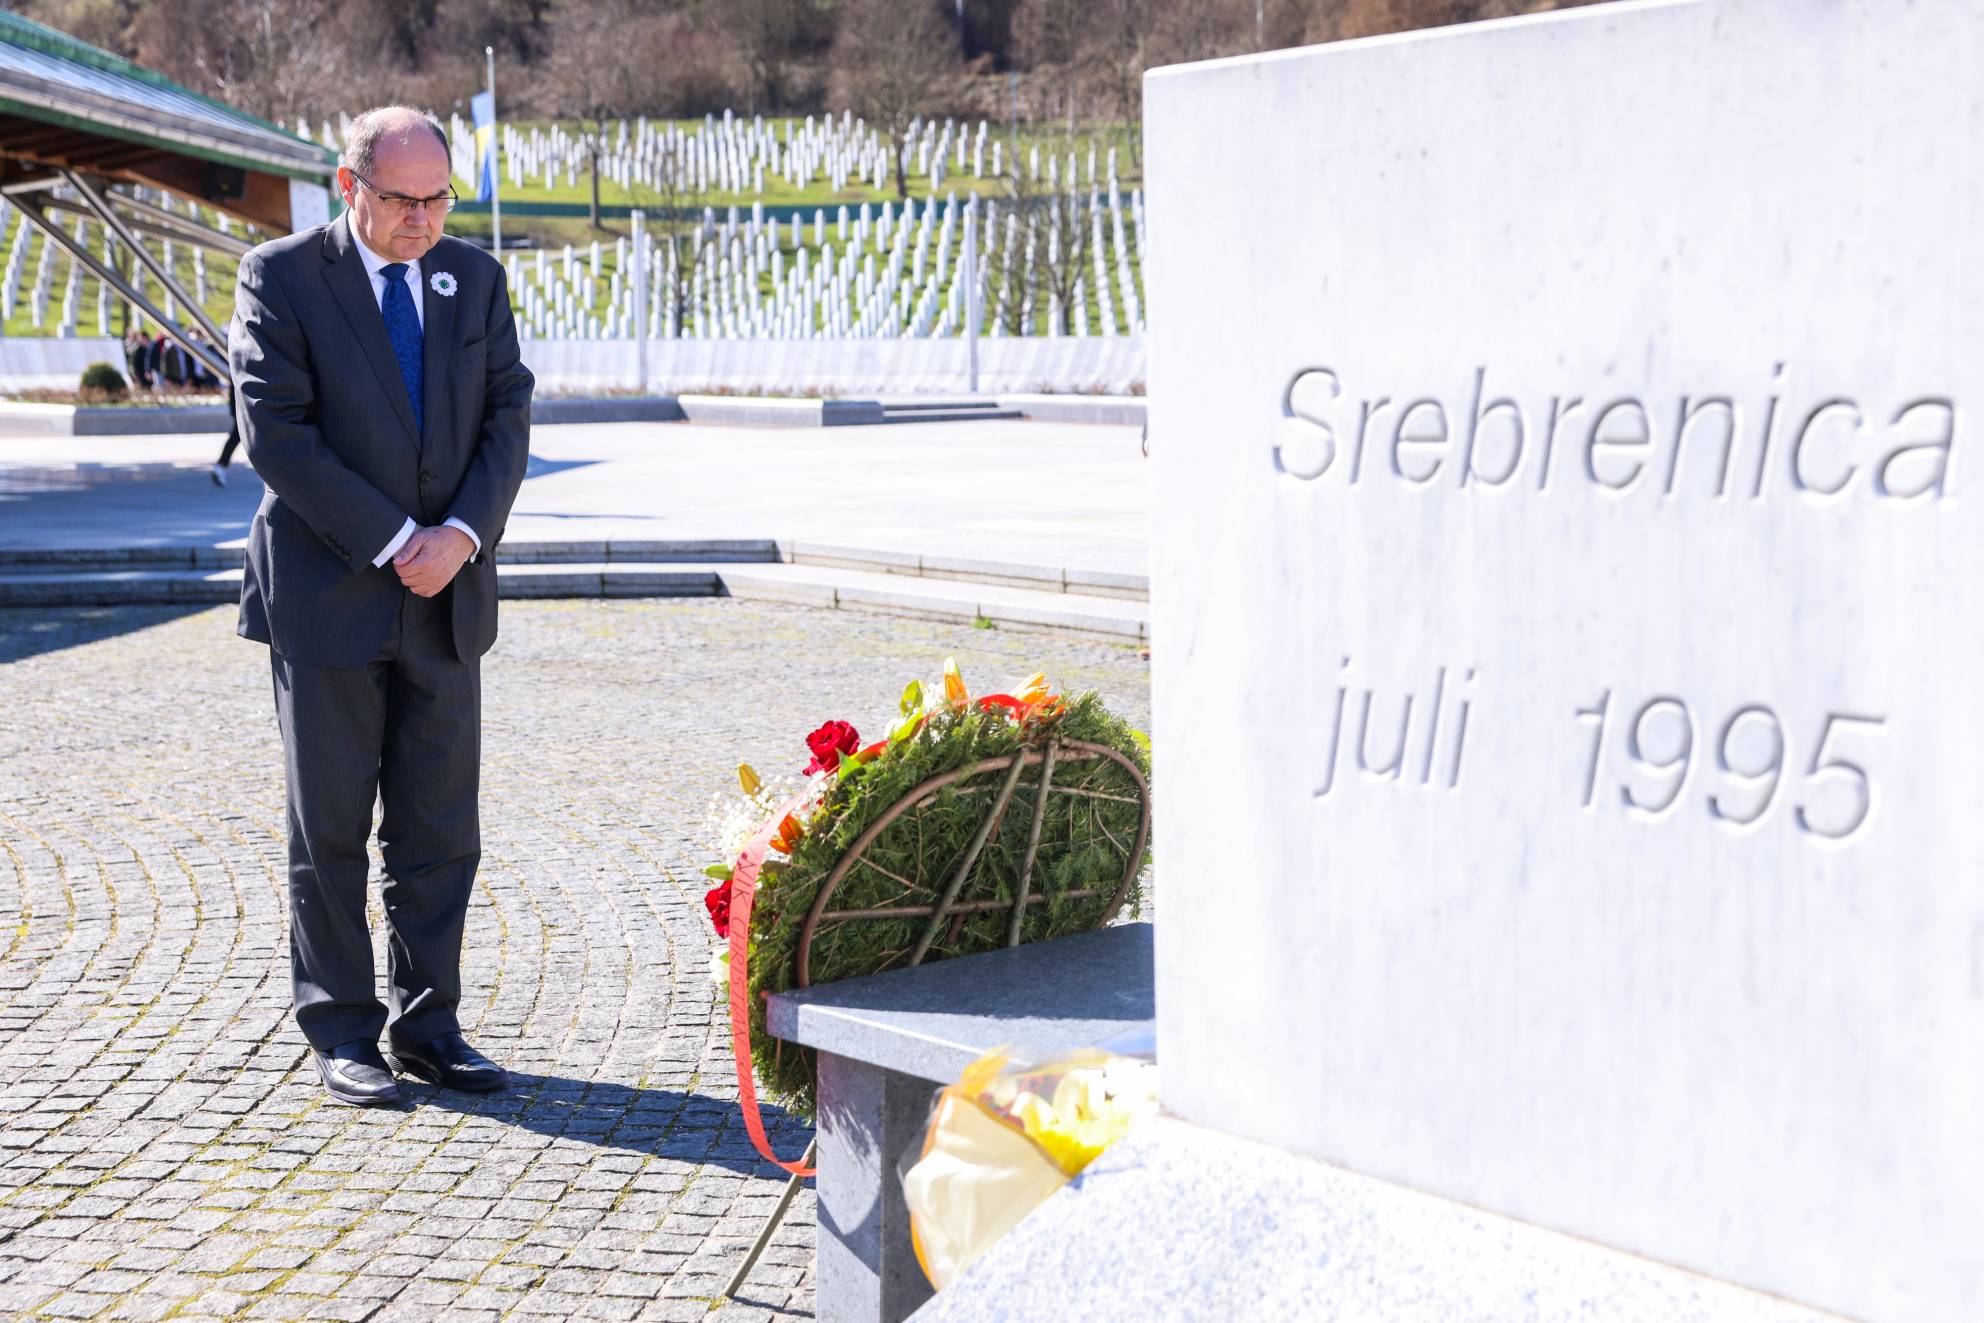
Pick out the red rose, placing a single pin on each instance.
(828, 743)
(717, 901)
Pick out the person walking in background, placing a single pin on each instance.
(138, 356)
(383, 402)
(170, 364)
(200, 376)
(204, 378)
(219, 470)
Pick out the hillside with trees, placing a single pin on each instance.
(1030, 59)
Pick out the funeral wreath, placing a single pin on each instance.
(976, 822)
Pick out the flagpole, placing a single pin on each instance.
(495, 163)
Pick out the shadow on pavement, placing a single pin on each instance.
(62, 507)
(30, 631)
(658, 1122)
(543, 468)
(144, 504)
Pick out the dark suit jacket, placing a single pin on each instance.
(329, 429)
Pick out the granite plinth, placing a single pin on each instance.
(933, 1021)
(869, 1119)
(1184, 1223)
(887, 1041)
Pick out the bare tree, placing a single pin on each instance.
(275, 58)
(284, 58)
(1041, 240)
(1101, 49)
(1097, 50)
(519, 31)
(99, 22)
(769, 36)
(899, 58)
(1340, 19)
(606, 62)
(671, 196)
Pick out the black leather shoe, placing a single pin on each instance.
(355, 1073)
(448, 1061)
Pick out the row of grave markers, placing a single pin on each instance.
(869, 272)
(732, 155)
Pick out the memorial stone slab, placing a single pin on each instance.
(1566, 622)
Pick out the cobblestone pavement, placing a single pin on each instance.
(163, 1151)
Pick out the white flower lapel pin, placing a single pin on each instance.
(442, 283)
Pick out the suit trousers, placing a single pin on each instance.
(405, 730)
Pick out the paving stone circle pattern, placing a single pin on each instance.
(165, 1150)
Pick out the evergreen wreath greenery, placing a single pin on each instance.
(1094, 813)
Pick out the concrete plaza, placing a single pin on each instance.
(1044, 493)
(164, 1149)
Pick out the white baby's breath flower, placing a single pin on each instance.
(720, 966)
(733, 817)
(729, 824)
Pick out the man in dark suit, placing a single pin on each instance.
(379, 392)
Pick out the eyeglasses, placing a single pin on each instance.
(402, 205)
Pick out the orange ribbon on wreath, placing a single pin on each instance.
(744, 886)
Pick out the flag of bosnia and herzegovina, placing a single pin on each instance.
(483, 106)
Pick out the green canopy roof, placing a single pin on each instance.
(65, 103)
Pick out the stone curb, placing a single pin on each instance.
(742, 411)
(1037, 578)
(25, 419)
(19, 419)
(815, 585)
(646, 551)
(609, 409)
(746, 411)
(956, 602)
(1113, 410)
(42, 561)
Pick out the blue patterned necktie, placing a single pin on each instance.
(403, 325)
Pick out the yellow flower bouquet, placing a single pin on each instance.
(1004, 1138)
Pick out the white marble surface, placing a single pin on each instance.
(1750, 1050)
(1188, 1225)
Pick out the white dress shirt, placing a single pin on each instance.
(375, 272)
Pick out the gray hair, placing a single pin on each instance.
(398, 123)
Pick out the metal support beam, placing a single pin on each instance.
(160, 273)
(110, 276)
(206, 236)
(167, 226)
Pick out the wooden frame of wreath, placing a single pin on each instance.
(948, 908)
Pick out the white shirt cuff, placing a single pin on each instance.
(399, 540)
(453, 522)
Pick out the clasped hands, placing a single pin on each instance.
(431, 558)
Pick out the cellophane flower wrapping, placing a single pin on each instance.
(1004, 1138)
